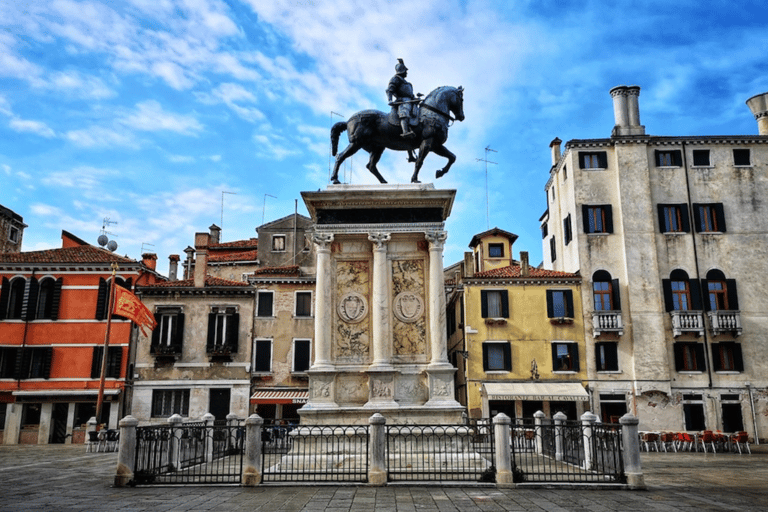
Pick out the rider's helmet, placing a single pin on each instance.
(400, 67)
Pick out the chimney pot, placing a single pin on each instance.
(215, 233)
(524, 267)
(555, 146)
(149, 260)
(758, 105)
(173, 267)
(202, 242)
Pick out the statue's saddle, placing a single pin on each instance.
(395, 121)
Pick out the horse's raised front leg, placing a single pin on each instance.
(348, 151)
(442, 151)
(426, 147)
(371, 165)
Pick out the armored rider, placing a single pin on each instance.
(402, 92)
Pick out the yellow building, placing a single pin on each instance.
(516, 333)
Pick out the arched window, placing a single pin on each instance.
(48, 298)
(103, 298)
(605, 292)
(681, 293)
(13, 293)
(720, 292)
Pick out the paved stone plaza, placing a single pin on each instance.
(58, 477)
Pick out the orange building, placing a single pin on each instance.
(53, 319)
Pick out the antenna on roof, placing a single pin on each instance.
(143, 244)
(264, 207)
(487, 210)
(103, 238)
(222, 207)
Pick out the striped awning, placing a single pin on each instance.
(546, 391)
(280, 396)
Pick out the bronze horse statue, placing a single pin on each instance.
(372, 131)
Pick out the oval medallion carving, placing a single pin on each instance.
(352, 307)
(408, 307)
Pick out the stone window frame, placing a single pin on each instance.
(573, 354)
(296, 304)
(274, 240)
(271, 344)
(265, 292)
(506, 355)
(295, 354)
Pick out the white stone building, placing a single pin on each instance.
(669, 234)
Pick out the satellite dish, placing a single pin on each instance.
(112, 245)
(103, 240)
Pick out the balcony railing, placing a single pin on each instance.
(607, 321)
(723, 322)
(687, 321)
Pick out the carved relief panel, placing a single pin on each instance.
(352, 314)
(409, 326)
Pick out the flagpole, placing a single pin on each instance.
(110, 306)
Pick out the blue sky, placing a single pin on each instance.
(145, 111)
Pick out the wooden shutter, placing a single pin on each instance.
(695, 289)
(211, 332)
(608, 227)
(666, 285)
(56, 298)
(29, 306)
(98, 355)
(717, 363)
(156, 333)
(705, 289)
(550, 305)
(504, 303)
(573, 351)
(568, 296)
(679, 359)
(507, 357)
(738, 359)
(615, 295)
(720, 215)
(47, 360)
(602, 159)
(484, 303)
(701, 363)
(301, 355)
(733, 297)
(485, 357)
(101, 301)
(233, 329)
(177, 335)
(585, 217)
(4, 294)
(115, 362)
(684, 219)
(263, 361)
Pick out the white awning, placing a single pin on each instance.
(547, 391)
(273, 396)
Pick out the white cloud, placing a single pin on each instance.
(150, 116)
(181, 159)
(80, 85)
(97, 136)
(29, 126)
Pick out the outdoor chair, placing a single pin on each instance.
(684, 441)
(741, 438)
(112, 440)
(668, 441)
(92, 443)
(650, 439)
(707, 437)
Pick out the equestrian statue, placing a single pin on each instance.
(412, 124)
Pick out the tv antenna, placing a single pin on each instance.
(103, 238)
(264, 206)
(222, 207)
(487, 208)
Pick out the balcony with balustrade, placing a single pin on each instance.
(691, 322)
(725, 322)
(604, 322)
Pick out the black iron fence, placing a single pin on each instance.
(189, 453)
(322, 453)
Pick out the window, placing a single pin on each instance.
(693, 411)
(497, 356)
(14, 234)
(689, 357)
(552, 248)
(721, 292)
(114, 362)
(669, 158)
(701, 158)
(565, 356)
(681, 293)
(709, 218)
(553, 194)
(304, 304)
(567, 232)
(741, 157)
(278, 243)
(544, 231)
(726, 357)
(565, 172)
(597, 218)
(495, 250)
(35, 363)
(301, 355)
(168, 336)
(103, 297)
(593, 160)
(262, 356)
(12, 298)
(606, 357)
(48, 296)
(8, 362)
(264, 308)
(673, 218)
(605, 292)
(559, 303)
(223, 326)
(167, 402)
(494, 303)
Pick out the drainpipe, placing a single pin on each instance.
(702, 295)
(752, 406)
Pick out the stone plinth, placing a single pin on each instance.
(380, 333)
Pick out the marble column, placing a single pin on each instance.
(380, 310)
(323, 308)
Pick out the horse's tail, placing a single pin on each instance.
(339, 127)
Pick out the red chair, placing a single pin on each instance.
(668, 440)
(707, 437)
(650, 439)
(684, 441)
(741, 438)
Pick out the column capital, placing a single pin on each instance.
(436, 238)
(323, 240)
(379, 239)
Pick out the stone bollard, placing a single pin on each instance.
(631, 444)
(252, 462)
(208, 419)
(587, 421)
(377, 470)
(91, 426)
(559, 418)
(126, 458)
(505, 478)
(231, 431)
(538, 418)
(174, 446)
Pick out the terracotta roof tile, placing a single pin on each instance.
(251, 243)
(515, 271)
(80, 254)
(236, 256)
(190, 283)
(278, 271)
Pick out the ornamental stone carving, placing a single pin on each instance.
(352, 307)
(379, 240)
(436, 239)
(322, 239)
(408, 307)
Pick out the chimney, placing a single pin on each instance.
(469, 265)
(215, 234)
(555, 146)
(149, 259)
(525, 270)
(759, 107)
(189, 262)
(173, 266)
(202, 241)
(626, 111)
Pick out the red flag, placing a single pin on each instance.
(129, 306)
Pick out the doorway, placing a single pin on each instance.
(218, 403)
(59, 423)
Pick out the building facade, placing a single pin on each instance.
(11, 230)
(515, 333)
(53, 323)
(670, 237)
